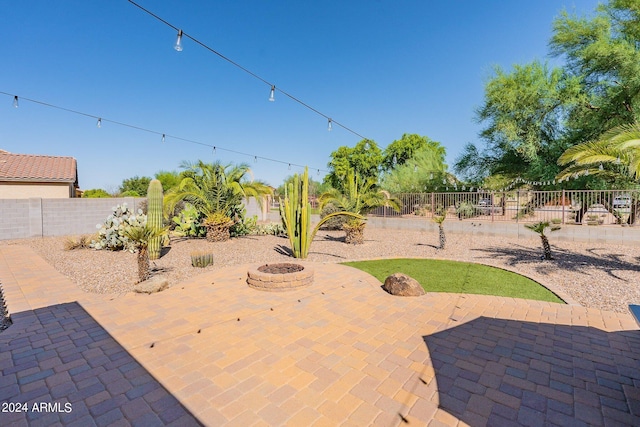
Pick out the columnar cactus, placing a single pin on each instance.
(295, 211)
(154, 216)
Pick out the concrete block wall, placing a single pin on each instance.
(14, 218)
(23, 218)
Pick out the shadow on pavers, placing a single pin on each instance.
(63, 362)
(505, 372)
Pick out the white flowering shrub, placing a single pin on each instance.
(111, 233)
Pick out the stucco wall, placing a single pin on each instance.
(19, 190)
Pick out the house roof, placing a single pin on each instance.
(37, 168)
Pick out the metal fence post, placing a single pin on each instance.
(563, 199)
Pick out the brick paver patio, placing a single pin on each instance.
(341, 352)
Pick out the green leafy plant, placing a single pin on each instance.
(187, 223)
(295, 211)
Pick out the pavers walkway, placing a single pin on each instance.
(341, 352)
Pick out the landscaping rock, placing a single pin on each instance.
(400, 284)
(154, 284)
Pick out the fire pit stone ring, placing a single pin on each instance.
(279, 277)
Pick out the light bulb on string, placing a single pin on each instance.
(618, 160)
(213, 151)
(272, 94)
(415, 168)
(15, 101)
(329, 125)
(601, 167)
(99, 123)
(289, 166)
(431, 175)
(178, 45)
(255, 159)
(586, 173)
(318, 172)
(444, 180)
(163, 138)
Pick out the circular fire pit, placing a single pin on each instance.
(279, 277)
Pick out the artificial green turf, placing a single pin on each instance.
(459, 277)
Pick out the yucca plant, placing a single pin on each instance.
(439, 219)
(295, 211)
(539, 228)
(141, 236)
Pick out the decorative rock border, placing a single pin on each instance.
(279, 282)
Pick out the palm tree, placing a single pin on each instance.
(439, 219)
(216, 191)
(618, 149)
(539, 228)
(359, 197)
(141, 236)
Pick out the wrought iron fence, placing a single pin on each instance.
(589, 207)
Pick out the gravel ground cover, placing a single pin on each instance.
(595, 275)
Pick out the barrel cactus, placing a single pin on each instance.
(154, 216)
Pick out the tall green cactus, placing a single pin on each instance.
(154, 216)
(295, 212)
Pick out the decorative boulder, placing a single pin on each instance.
(400, 284)
(152, 285)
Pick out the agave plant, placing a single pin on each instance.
(141, 236)
(540, 227)
(359, 197)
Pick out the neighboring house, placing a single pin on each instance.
(27, 175)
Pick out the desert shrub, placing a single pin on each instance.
(243, 225)
(187, 223)
(95, 193)
(80, 242)
(270, 229)
(111, 234)
(334, 223)
(466, 210)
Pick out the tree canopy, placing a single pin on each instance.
(365, 159)
(399, 151)
(135, 186)
(532, 114)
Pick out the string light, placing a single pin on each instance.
(415, 168)
(601, 167)
(178, 45)
(255, 159)
(329, 127)
(431, 175)
(99, 123)
(15, 101)
(161, 134)
(272, 95)
(618, 160)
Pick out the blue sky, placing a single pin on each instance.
(382, 68)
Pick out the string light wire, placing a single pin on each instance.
(246, 70)
(163, 135)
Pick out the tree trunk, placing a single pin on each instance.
(219, 233)
(546, 247)
(143, 264)
(443, 238)
(354, 234)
